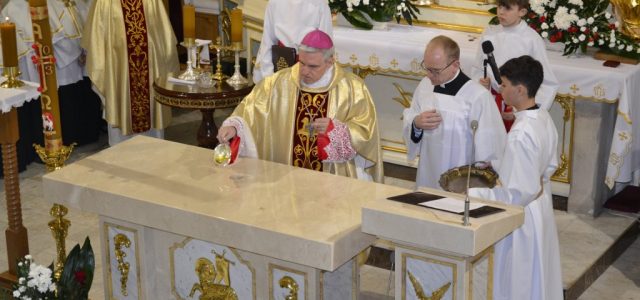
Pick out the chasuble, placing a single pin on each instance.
(527, 262)
(273, 121)
(129, 43)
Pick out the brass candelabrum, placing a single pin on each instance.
(218, 47)
(192, 71)
(12, 74)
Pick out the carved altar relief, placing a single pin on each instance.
(203, 270)
(286, 283)
(124, 262)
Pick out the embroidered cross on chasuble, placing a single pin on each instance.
(310, 106)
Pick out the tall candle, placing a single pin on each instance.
(9, 49)
(189, 21)
(236, 25)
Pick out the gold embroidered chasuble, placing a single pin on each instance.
(309, 106)
(276, 117)
(115, 37)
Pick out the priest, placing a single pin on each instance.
(130, 44)
(437, 124)
(527, 262)
(285, 24)
(312, 115)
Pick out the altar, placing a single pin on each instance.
(174, 224)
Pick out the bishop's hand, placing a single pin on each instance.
(225, 133)
(428, 119)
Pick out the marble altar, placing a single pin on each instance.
(174, 224)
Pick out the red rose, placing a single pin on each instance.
(586, 31)
(553, 39)
(612, 26)
(542, 19)
(80, 277)
(573, 29)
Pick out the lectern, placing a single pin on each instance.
(436, 257)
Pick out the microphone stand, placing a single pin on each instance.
(465, 218)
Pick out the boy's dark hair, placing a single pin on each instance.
(526, 71)
(508, 3)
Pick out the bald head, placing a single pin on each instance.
(441, 59)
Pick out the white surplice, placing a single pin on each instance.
(513, 42)
(288, 21)
(527, 262)
(449, 145)
(66, 30)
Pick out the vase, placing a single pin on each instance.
(555, 47)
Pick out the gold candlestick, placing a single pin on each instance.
(218, 75)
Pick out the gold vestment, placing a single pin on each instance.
(108, 63)
(270, 113)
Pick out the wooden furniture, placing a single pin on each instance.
(207, 100)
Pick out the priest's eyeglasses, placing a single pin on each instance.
(435, 72)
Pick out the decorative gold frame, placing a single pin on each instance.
(106, 226)
(453, 266)
(180, 245)
(563, 173)
(273, 266)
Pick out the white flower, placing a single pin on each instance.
(573, 11)
(590, 20)
(607, 15)
(562, 19)
(629, 48)
(365, 2)
(544, 34)
(21, 280)
(374, 9)
(28, 257)
(594, 29)
(576, 2)
(590, 44)
(16, 294)
(381, 3)
(581, 22)
(349, 9)
(638, 50)
(22, 289)
(621, 47)
(600, 42)
(583, 29)
(20, 264)
(612, 45)
(399, 7)
(574, 40)
(553, 3)
(582, 37)
(52, 287)
(544, 26)
(617, 24)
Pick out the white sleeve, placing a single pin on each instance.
(264, 64)
(407, 120)
(518, 174)
(491, 135)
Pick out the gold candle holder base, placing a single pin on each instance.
(54, 160)
(12, 74)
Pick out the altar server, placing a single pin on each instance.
(437, 125)
(527, 262)
(510, 39)
(285, 23)
(312, 115)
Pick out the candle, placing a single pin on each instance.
(189, 21)
(236, 25)
(9, 49)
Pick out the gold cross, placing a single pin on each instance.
(574, 88)
(353, 58)
(394, 63)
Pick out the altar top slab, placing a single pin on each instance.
(271, 209)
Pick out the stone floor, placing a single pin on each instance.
(582, 239)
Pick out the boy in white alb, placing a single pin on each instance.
(527, 261)
(513, 38)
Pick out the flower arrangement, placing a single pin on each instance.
(37, 281)
(377, 10)
(579, 24)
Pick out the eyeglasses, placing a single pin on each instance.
(435, 72)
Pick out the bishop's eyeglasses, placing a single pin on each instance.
(435, 72)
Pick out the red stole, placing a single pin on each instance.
(135, 26)
(309, 106)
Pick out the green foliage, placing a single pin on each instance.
(77, 276)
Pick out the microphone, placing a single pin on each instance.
(465, 219)
(487, 48)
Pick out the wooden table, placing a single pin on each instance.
(206, 100)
